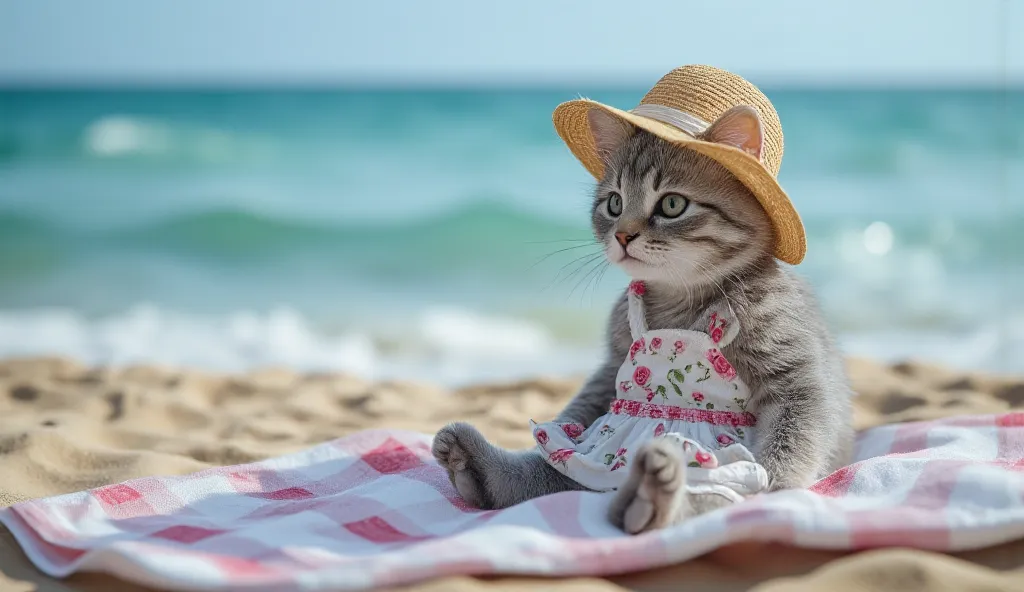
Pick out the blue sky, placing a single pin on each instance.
(464, 42)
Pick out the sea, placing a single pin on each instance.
(442, 234)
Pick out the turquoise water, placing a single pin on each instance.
(405, 232)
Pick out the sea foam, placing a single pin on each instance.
(447, 346)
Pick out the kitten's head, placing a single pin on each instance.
(670, 215)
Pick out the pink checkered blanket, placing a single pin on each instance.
(374, 510)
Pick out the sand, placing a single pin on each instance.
(66, 427)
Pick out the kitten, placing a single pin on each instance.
(717, 251)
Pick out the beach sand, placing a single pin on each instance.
(66, 427)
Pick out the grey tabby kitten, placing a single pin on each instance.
(699, 239)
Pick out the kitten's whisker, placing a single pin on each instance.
(588, 256)
(597, 284)
(689, 287)
(552, 254)
(562, 240)
(589, 282)
(735, 276)
(584, 265)
(678, 279)
(591, 270)
(706, 273)
(586, 260)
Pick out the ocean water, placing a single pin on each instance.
(443, 235)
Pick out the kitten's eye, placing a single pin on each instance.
(614, 204)
(673, 205)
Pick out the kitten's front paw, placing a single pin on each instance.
(653, 494)
(458, 447)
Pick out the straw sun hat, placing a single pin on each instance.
(680, 107)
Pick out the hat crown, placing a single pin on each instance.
(707, 92)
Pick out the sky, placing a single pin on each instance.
(808, 42)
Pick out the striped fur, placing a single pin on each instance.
(718, 251)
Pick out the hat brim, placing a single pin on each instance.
(573, 126)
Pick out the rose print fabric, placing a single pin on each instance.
(729, 471)
(673, 383)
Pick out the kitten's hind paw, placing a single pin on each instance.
(460, 448)
(654, 494)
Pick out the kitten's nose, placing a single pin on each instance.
(625, 238)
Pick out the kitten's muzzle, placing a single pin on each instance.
(625, 238)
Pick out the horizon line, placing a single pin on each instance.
(486, 81)
(575, 87)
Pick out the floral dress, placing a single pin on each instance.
(676, 383)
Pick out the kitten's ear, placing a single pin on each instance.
(739, 127)
(609, 132)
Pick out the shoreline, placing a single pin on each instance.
(192, 418)
(450, 346)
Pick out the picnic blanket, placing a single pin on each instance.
(374, 510)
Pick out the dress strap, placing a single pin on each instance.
(720, 323)
(637, 316)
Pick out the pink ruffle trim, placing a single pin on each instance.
(654, 411)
